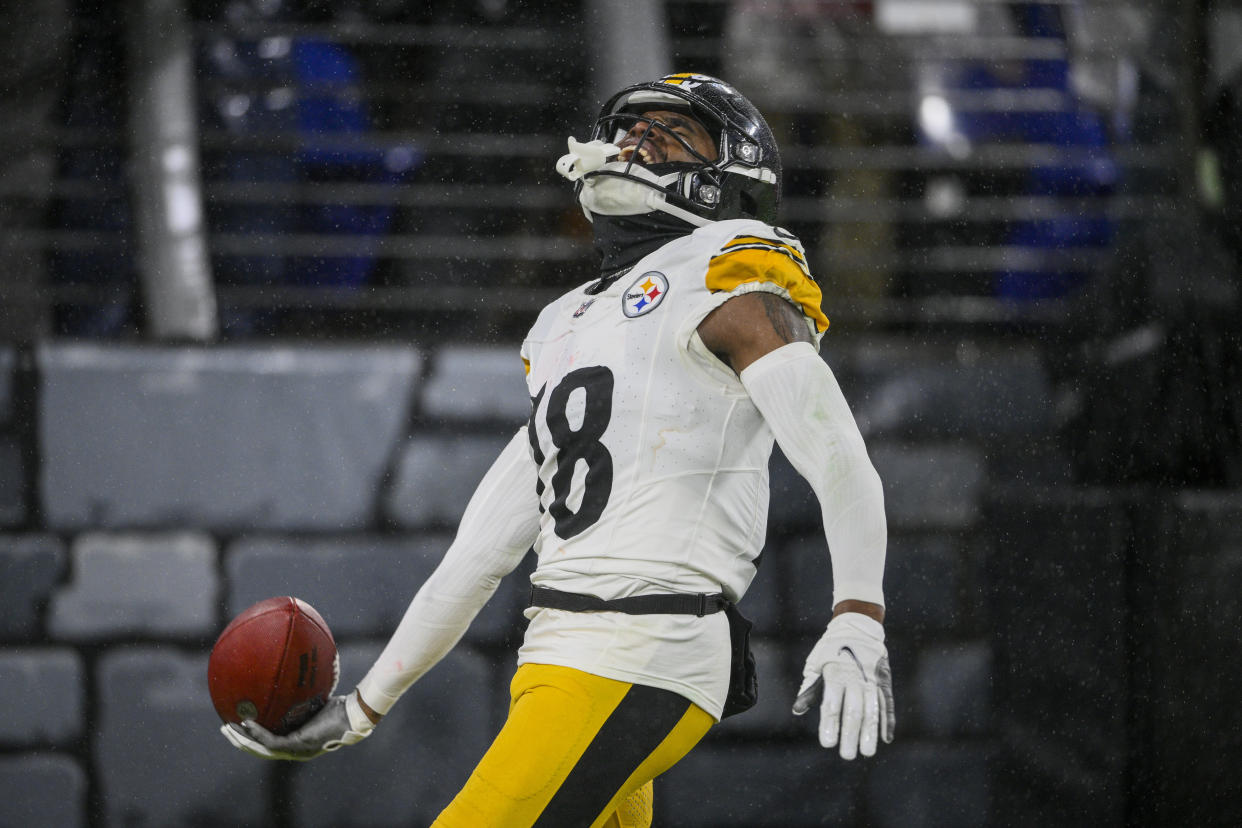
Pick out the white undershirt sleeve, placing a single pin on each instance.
(799, 398)
(499, 525)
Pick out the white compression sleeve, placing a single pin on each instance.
(801, 402)
(499, 525)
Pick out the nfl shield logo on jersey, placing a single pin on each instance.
(645, 294)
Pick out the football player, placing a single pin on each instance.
(641, 482)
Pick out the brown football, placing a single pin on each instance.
(275, 663)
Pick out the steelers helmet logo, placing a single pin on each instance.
(690, 80)
(645, 294)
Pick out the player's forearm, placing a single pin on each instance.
(852, 505)
(803, 405)
(497, 529)
(432, 625)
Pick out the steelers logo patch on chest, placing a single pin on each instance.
(645, 294)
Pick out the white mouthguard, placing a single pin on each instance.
(583, 158)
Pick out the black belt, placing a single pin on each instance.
(668, 604)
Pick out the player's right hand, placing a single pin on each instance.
(341, 722)
(848, 676)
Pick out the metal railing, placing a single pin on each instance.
(973, 173)
(425, 190)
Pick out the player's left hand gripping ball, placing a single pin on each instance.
(847, 672)
(271, 675)
(341, 722)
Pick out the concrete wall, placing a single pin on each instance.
(149, 494)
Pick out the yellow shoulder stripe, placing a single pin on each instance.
(771, 262)
(526, 365)
(760, 243)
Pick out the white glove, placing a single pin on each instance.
(340, 722)
(849, 665)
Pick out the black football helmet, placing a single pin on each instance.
(743, 181)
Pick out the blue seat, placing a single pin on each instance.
(330, 123)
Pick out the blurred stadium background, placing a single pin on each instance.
(265, 267)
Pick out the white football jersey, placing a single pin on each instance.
(653, 462)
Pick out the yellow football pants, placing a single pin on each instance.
(577, 750)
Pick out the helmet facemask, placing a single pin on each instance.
(742, 181)
(676, 187)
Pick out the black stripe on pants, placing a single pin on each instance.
(643, 719)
